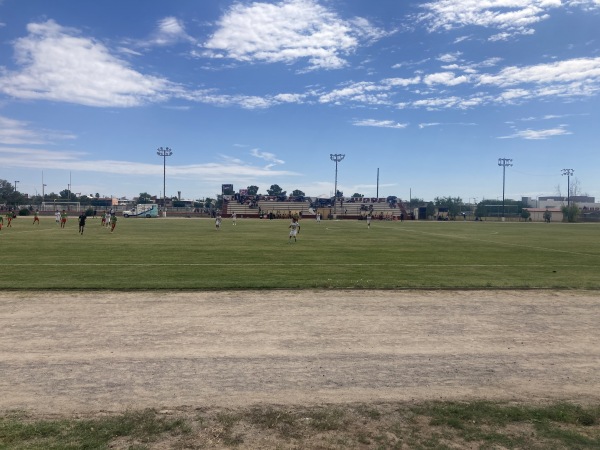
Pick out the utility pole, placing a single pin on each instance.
(378, 182)
(16, 181)
(568, 173)
(164, 152)
(504, 162)
(336, 158)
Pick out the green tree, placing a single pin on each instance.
(6, 191)
(68, 196)
(85, 200)
(357, 195)
(416, 202)
(36, 200)
(252, 190)
(51, 197)
(339, 194)
(430, 211)
(298, 193)
(275, 190)
(9, 195)
(144, 198)
(209, 202)
(453, 204)
(570, 213)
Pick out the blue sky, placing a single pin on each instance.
(259, 93)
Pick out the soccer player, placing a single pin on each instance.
(82, 218)
(57, 217)
(369, 220)
(113, 222)
(9, 218)
(36, 217)
(63, 218)
(1, 222)
(294, 229)
(103, 222)
(318, 217)
(218, 222)
(233, 218)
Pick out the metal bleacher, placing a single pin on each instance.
(350, 208)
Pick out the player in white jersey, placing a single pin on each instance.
(233, 218)
(294, 229)
(369, 220)
(218, 222)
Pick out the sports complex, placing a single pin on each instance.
(334, 341)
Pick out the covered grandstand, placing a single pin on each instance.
(282, 207)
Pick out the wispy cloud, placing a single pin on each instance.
(16, 132)
(379, 123)
(508, 17)
(586, 70)
(530, 134)
(289, 31)
(170, 30)
(269, 157)
(30, 158)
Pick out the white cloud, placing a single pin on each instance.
(538, 134)
(445, 78)
(367, 92)
(585, 70)
(15, 157)
(579, 77)
(379, 123)
(510, 17)
(170, 31)
(269, 157)
(59, 65)
(15, 132)
(449, 57)
(289, 98)
(427, 125)
(289, 31)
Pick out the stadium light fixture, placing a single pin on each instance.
(164, 152)
(568, 173)
(504, 162)
(336, 158)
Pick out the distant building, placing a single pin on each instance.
(537, 214)
(556, 202)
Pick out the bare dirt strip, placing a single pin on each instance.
(86, 352)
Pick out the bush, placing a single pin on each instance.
(570, 213)
(24, 212)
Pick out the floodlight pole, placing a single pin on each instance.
(568, 173)
(16, 181)
(504, 162)
(336, 158)
(164, 152)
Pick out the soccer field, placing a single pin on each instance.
(175, 253)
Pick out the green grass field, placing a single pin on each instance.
(190, 254)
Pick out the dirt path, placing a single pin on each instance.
(70, 352)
